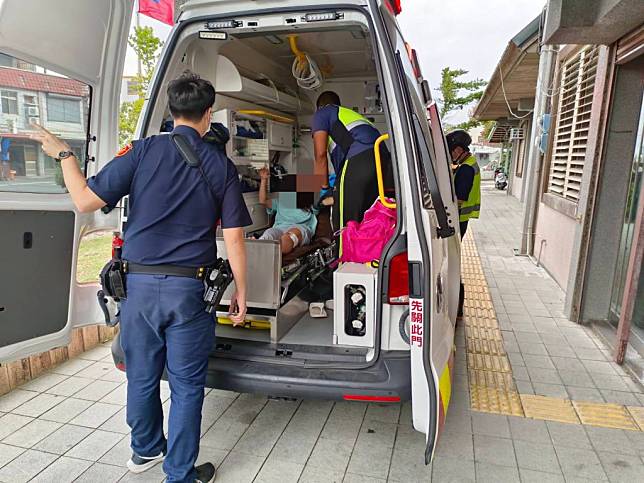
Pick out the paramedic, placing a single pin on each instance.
(169, 236)
(349, 138)
(467, 184)
(293, 226)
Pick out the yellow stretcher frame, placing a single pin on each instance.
(381, 185)
(248, 324)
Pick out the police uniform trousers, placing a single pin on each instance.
(164, 327)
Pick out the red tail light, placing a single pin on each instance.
(362, 397)
(399, 280)
(394, 6)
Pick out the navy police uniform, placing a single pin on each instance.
(171, 221)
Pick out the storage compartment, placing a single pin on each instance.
(354, 295)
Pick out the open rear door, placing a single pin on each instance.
(61, 65)
(430, 211)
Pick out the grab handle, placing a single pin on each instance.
(381, 186)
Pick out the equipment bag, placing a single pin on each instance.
(363, 242)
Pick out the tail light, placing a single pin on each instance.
(399, 280)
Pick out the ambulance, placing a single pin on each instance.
(268, 61)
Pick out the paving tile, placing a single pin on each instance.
(31, 433)
(10, 423)
(94, 446)
(526, 429)
(353, 478)
(27, 465)
(576, 378)
(344, 421)
(96, 370)
(333, 454)
(568, 435)
(452, 470)
(232, 424)
(314, 474)
(267, 427)
(63, 439)
(66, 410)
(620, 397)
(530, 476)
(97, 390)
(609, 381)
(455, 445)
(239, 468)
(536, 456)
(568, 364)
(38, 405)
(44, 382)
(487, 472)
(118, 454)
(516, 360)
(589, 354)
(560, 350)
(490, 424)
(15, 398)
(622, 467)
(387, 413)
(8, 453)
(114, 375)
(548, 376)
(584, 394)
(71, 367)
(63, 469)
(96, 415)
(153, 475)
(524, 387)
(459, 419)
(409, 466)
(491, 449)
(550, 390)
(70, 386)
(97, 353)
(211, 455)
(538, 362)
(534, 348)
(582, 463)
(279, 471)
(117, 396)
(298, 439)
(116, 423)
(611, 440)
(100, 472)
(372, 451)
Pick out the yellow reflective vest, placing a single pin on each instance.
(472, 207)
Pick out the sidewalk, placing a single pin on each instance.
(69, 424)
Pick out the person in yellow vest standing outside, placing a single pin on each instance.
(348, 138)
(467, 184)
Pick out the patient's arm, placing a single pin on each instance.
(263, 188)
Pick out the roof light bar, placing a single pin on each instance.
(322, 16)
(224, 24)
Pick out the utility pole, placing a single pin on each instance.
(138, 24)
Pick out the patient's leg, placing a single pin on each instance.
(291, 239)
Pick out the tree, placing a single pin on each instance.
(146, 46)
(457, 94)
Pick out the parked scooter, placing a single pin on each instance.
(500, 180)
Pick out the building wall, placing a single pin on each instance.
(517, 187)
(554, 238)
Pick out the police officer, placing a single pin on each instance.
(170, 235)
(348, 137)
(467, 184)
(467, 177)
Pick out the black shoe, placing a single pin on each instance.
(205, 473)
(139, 464)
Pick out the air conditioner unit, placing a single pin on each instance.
(32, 120)
(516, 133)
(32, 111)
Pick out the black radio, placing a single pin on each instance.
(215, 283)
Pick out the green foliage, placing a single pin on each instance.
(457, 94)
(487, 129)
(146, 46)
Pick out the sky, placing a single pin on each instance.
(467, 34)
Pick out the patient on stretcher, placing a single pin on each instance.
(293, 227)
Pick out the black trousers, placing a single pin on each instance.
(461, 295)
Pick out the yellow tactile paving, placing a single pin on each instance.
(604, 414)
(492, 386)
(549, 408)
(638, 415)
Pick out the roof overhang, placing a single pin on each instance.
(514, 79)
(591, 21)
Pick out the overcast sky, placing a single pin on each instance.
(468, 34)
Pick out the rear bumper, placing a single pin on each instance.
(389, 377)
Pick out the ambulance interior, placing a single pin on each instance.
(269, 118)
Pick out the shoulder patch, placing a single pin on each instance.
(124, 150)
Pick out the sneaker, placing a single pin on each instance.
(205, 473)
(139, 464)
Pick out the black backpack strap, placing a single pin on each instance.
(191, 158)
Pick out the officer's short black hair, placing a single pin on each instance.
(326, 98)
(189, 96)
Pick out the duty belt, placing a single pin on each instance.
(172, 270)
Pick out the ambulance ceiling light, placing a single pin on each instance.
(224, 24)
(322, 16)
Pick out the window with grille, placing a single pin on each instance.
(577, 83)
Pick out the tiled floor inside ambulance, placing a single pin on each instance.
(69, 424)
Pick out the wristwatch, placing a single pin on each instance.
(64, 155)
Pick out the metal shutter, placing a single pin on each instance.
(573, 122)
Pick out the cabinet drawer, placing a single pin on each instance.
(280, 135)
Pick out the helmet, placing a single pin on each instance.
(458, 138)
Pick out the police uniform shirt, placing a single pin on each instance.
(364, 135)
(172, 214)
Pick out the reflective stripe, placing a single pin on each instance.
(470, 209)
(344, 170)
(359, 122)
(330, 144)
